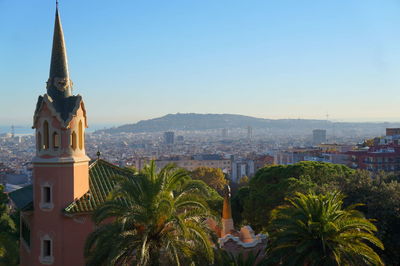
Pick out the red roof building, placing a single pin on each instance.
(376, 158)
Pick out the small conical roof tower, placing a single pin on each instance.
(227, 221)
(59, 84)
(226, 208)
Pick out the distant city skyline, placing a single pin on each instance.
(286, 59)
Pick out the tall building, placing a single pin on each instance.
(60, 167)
(319, 136)
(55, 211)
(249, 132)
(169, 137)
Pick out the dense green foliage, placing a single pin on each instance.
(8, 234)
(214, 177)
(315, 230)
(152, 217)
(381, 196)
(271, 185)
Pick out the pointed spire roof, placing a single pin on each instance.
(226, 208)
(59, 84)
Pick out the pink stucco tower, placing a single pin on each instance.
(60, 169)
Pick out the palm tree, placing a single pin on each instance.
(156, 218)
(315, 230)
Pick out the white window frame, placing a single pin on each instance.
(47, 206)
(47, 260)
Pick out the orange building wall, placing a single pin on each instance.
(67, 173)
(69, 182)
(68, 235)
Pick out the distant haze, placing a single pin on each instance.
(194, 121)
(281, 127)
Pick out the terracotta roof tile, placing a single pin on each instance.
(100, 184)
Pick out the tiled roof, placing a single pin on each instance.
(100, 184)
(23, 198)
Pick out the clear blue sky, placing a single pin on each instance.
(134, 60)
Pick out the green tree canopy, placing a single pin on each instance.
(380, 195)
(379, 192)
(315, 229)
(214, 177)
(271, 185)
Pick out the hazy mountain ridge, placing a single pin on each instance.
(193, 121)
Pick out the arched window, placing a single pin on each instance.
(80, 127)
(46, 135)
(73, 140)
(39, 141)
(56, 141)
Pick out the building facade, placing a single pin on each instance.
(241, 168)
(60, 169)
(56, 209)
(383, 158)
(319, 136)
(169, 137)
(381, 154)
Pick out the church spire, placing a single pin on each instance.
(227, 221)
(59, 84)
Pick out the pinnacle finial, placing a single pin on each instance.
(59, 84)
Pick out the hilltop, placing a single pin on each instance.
(199, 122)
